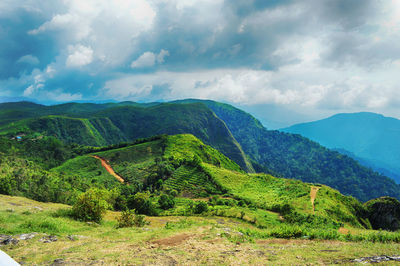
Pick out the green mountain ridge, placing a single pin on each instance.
(373, 138)
(233, 132)
(294, 156)
(127, 122)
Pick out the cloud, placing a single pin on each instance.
(160, 57)
(28, 91)
(322, 55)
(149, 59)
(60, 96)
(79, 55)
(29, 59)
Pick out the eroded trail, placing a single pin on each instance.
(108, 168)
(313, 196)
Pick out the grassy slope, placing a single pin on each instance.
(293, 156)
(191, 240)
(216, 174)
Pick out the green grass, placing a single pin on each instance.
(196, 240)
(142, 165)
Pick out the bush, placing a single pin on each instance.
(92, 205)
(130, 219)
(126, 219)
(142, 204)
(139, 220)
(200, 207)
(166, 202)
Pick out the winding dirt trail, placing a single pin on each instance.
(313, 196)
(108, 168)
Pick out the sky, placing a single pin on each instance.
(285, 61)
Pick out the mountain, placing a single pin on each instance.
(186, 196)
(372, 138)
(293, 156)
(99, 125)
(235, 133)
(184, 166)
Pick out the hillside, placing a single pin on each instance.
(184, 164)
(103, 125)
(294, 156)
(215, 205)
(199, 240)
(373, 138)
(233, 132)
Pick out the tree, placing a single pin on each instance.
(142, 204)
(92, 205)
(166, 202)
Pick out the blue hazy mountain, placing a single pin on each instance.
(372, 139)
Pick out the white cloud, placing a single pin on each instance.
(301, 85)
(108, 27)
(28, 91)
(60, 96)
(160, 57)
(79, 56)
(29, 59)
(149, 59)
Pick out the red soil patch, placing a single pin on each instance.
(343, 230)
(313, 196)
(108, 168)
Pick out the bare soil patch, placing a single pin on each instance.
(313, 196)
(109, 169)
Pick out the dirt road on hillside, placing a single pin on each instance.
(108, 168)
(313, 196)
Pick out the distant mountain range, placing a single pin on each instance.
(372, 139)
(235, 133)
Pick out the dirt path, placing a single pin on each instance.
(313, 195)
(108, 168)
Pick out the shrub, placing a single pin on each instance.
(200, 207)
(91, 205)
(142, 204)
(166, 202)
(129, 219)
(126, 219)
(139, 220)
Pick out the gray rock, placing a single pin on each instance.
(377, 259)
(8, 240)
(26, 236)
(58, 262)
(48, 239)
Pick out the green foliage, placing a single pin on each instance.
(384, 213)
(166, 202)
(92, 205)
(128, 218)
(293, 156)
(142, 204)
(110, 124)
(200, 207)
